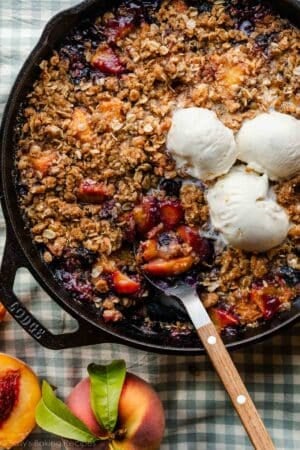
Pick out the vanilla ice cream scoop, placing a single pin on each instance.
(270, 143)
(244, 210)
(200, 143)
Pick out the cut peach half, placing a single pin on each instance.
(19, 395)
(2, 312)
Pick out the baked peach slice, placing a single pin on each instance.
(145, 214)
(43, 162)
(19, 395)
(168, 268)
(149, 250)
(125, 285)
(80, 126)
(141, 420)
(111, 111)
(91, 191)
(223, 319)
(231, 69)
(107, 61)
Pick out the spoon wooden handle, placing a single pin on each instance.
(235, 387)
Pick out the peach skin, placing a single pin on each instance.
(141, 420)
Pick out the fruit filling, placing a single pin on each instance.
(9, 393)
(90, 191)
(270, 295)
(168, 247)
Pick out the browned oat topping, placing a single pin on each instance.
(91, 146)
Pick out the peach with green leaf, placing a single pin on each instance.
(112, 409)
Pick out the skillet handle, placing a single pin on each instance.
(235, 387)
(13, 259)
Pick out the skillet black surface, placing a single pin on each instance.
(20, 251)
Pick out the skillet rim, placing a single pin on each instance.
(52, 288)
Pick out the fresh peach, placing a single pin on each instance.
(77, 402)
(141, 419)
(19, 395)
(141, 414)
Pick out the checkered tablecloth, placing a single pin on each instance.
(199, 414)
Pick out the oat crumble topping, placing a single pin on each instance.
(92, 145)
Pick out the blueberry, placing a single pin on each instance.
(74, 47)
(141, 10)
(248, 10)
(171, 187)
(263, 40)
(290, 275)
(108, 210)
(201, 5)
(22, 189)
(78, 258)
(231, 332)
(75, 283)
(165, 239)
(246, 26)
(86, 257)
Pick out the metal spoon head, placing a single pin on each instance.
(173, 290)
(181, 293)
(175, 286)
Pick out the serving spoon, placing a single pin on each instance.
(186, 293)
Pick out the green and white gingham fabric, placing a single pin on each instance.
(199, 414)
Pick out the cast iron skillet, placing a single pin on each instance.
(20, 251)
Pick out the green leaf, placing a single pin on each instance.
(106, 386)
(54, 416)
